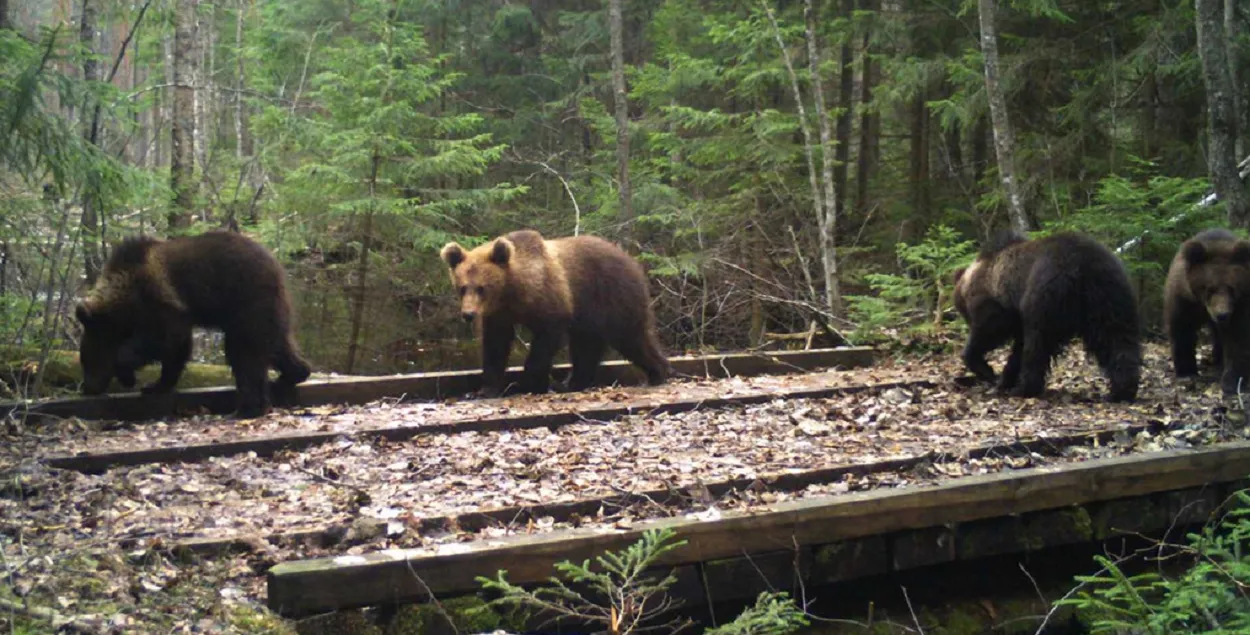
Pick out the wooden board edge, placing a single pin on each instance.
(304, 586)
(359, 390)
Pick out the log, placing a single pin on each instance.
(396, 576)
(360, 390)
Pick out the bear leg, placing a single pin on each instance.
(1120, 360)
(1183, 339)
(585, 352)
(981, 340)
(1011, 370)
(1217, 347)
(643, 350)
(250, 366)
(174, 357)
(537, 377)
(1035, 358)
(292, 368)
(497, 336)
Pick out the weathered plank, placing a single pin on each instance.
(267, 446)
(589, 507)
(309, 586)
(358, 390)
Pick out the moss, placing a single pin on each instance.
(252, 619)
(61, 372)
(468, 614)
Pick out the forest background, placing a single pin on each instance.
(780, 166)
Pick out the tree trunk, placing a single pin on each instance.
(366, 243)
(4, 15)
(239, 82)
(620, 97)
(869, 130)
(182, 126)
(90, 191)
(1222, 120)
(846, 85)
(980, 148)
(1004, 141)
(919, 161)
(203, 91)
(828, 247)
(1232, 35)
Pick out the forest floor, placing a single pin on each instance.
(95, 549)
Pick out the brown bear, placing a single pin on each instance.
(1208, 284)
(1039, 295)
(582, 288)
(152, 292)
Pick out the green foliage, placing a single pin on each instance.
(915, 299)
(623, 597)
(772, 614)
(1208, 597)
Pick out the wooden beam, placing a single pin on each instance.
(311, 586)
(588, 507)
(267, 446)
(360, 390)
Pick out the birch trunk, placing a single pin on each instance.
(621, 99)
(828, 220)
(1221, 116)
(182, 126)
(1004, 140)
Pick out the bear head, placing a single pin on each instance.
(111, 344)
(1218, 274)
(479, 275)
(963, 279)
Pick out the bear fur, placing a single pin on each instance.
(582, 289)
(150, 295)
(1208, 284)
(1039, 295)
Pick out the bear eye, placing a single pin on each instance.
(481, 290)
(463, 290)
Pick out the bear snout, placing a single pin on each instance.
(468, 316)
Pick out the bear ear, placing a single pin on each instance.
(501, 252)
(1194, 252)
(452, 254)
(1241, 252)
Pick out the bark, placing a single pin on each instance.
(203, 91)
(620, 97)
(182, 126)
(4, 15)
(980, 148)
(90, 191)
(919, 157)
(1004, 140)
(869, 129)
(846, 85)
(1222, 120)
(1232, 34)
(828, 247)
(239, 82)
(362, 271)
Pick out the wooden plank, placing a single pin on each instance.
(310, 586)
(563, 512)
(267, 446)
(359, 390)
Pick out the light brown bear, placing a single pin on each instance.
(150, 295)
(1208, 284)
(582, 288)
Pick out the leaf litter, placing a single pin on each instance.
(97, 545)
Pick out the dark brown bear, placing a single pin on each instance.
(1039, 295)
(152, 292)
(582, 288)
(1209, 284)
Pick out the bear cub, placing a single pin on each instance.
(150, 295)
(1208, 284)
(1041, 294)
(581, 290)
